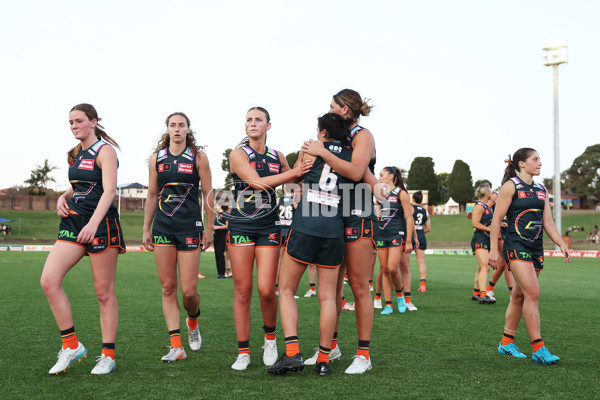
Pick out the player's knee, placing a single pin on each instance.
(189, 294)
(169, 289)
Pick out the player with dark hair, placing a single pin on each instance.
(527, 208)
(394, 236)
(359, 218)
(422, 226)
(316, 237)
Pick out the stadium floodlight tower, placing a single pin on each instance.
(553, 55)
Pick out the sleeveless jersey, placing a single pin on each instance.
(255, 210)
(360, 196)
(319, 213)
(420, 216)
(85, 177)
(286, 213)
(525, 216)
(391, 217)
(486, 220)
(178, 208)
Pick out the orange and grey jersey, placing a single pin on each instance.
(360, 196)
(178, 208)
(85, 177)
(255, 210)
(392, 221)
(525, 216)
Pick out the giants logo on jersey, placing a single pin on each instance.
(274, 167)
(185, 168)
(191, 240)
(523, 194)
(541, 195)
(86, 164)
(273, 236)
(163, 167)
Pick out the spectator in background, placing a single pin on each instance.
(219, 239)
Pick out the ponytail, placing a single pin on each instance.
(357, 106)
(512, 168)
(398, 180)
(91, 113)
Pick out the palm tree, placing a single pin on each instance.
(40, 177)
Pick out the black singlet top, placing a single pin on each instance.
(178, 208)
(391, 217)
(486, 220)
(319, 213)
(286, 213)
(525, 216)
(255, 210)
(360, 196)
(420, 217)
(85, 177)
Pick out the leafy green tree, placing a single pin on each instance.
(460, 183)
(39, 178)
(421, 176)
(292, 158)
(583, 177)
(443, 191)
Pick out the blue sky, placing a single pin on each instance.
(449, 79)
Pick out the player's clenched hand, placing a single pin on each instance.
(147, 241)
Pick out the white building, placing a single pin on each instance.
(136, 190)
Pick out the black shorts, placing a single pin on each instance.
(477, 244)
(525, 255)
(422, 241)
(186, 242)
(284, 234)
(308, 249)
(270, 238)
(356, 228)
(108, 234)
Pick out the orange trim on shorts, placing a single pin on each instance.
(362, 228)
(75, 243)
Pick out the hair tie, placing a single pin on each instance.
(98, 123)
(508, 161)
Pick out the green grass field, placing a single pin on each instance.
(447, 349)
(445, 228)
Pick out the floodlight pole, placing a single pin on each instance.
(557, 187)
(555, 55)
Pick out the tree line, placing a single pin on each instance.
(582, 178)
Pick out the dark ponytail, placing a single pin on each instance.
(513, 163)
(398, 181)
